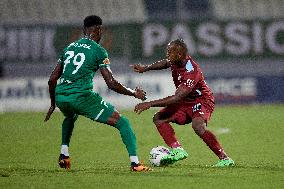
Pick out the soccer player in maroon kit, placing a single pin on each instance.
(193, 102)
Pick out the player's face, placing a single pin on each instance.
(99, 32)
(173, 54)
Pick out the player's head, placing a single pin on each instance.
(93, 27)
(176, 51)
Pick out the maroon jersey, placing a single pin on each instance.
(191, 77)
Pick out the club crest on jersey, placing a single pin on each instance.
(106, 61)
(189, 66)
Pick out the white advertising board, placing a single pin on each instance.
(31, 94)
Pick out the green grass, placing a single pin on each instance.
(29, 150)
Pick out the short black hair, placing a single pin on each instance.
(92, 20)
(180, 43)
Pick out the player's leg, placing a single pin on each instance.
(128, 137)
(98, 110)
(162, 121)
(122, 124)
(201, 114)
(67, 130)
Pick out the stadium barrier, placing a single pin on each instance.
(31, 94)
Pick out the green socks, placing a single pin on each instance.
(127, 135)
(67, 129)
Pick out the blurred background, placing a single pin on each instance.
(239, 45)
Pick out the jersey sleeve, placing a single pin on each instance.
(103, 59)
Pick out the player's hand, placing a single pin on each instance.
(48, 114)
(138, 68)
(140, 93)
(141, 107)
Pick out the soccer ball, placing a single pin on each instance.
(157, 153)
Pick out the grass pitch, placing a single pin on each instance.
(251, 135)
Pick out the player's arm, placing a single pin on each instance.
(114, 85)
(158, 65)
(184, 89)
(55, 75)
(179, 95)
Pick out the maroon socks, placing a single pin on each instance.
(212, 142)
(168, 134)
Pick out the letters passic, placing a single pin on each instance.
(211, 39)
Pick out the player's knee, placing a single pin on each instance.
(71, 118)
(199, 126)
(156, 119)
(113, 119)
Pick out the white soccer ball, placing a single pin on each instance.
(157, 153)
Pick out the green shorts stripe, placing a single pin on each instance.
(99, 114)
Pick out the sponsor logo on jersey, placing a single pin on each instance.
(106, 61)
(189, 66)
(189, 83)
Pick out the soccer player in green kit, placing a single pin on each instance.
(73, 93)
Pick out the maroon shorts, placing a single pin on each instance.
(183, 113)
